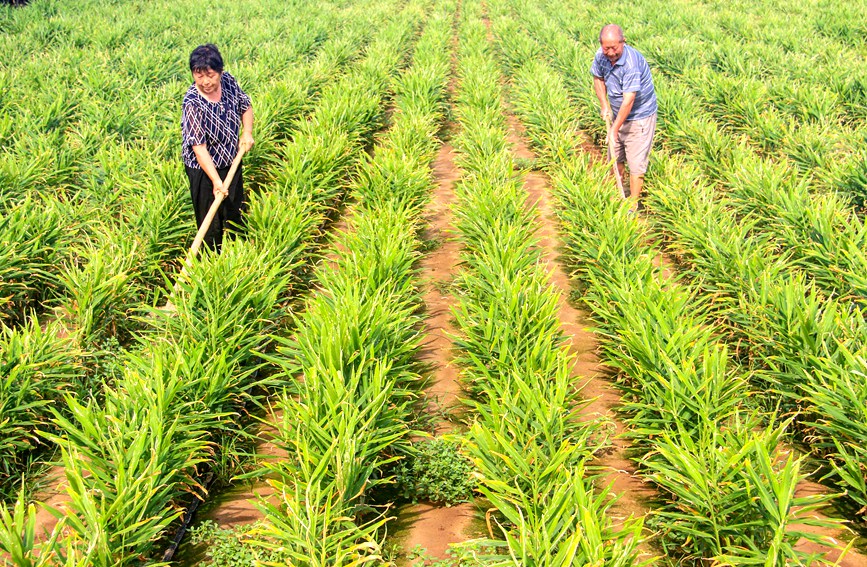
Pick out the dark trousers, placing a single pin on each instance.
(230, 214)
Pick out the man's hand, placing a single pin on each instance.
(606, 114)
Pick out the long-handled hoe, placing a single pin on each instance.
(194, 249)
(613, 161)
(206, 224)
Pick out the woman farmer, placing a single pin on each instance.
(213, 110)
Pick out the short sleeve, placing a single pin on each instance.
(596, 68)
(243, 101)
(241, 98)
(191, 126)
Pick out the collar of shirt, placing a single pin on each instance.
(622, 60)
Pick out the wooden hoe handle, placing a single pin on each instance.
(614, 161)
(209, 218)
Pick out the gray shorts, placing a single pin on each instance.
(634, 143)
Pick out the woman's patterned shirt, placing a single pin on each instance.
(213, 123)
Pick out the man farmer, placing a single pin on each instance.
(621, 79)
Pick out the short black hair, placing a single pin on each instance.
(206, 57)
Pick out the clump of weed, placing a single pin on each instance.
(471, 553)
(230, 547)
(436, 472)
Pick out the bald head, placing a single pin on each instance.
(611, 42)
(612, 33)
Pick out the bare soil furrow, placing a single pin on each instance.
(237, 506)
(435, 527)
(437, 269)
(53, 495)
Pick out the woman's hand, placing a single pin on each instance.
(247, 141)
(219, 189)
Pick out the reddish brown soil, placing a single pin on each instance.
(434, 528)
(61, 315)
(666, 264)
(237, 506)
(836, 537)
(853, 558)
(437, 270)
(335, 241)
(53, 495)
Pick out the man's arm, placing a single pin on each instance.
(602, 95)
(625, 109)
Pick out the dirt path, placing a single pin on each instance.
(435, 527)
(54, 495)
(236, 505)
(334, 242)
(855, 558)
(437, 269)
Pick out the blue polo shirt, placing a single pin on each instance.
(630, 74)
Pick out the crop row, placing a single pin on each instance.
(807, 347)
(526, 439)
(132, 462)
(351, 371)
(72, 356)
(799, 76)
(729, 489)
(805, 350)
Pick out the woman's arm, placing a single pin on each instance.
(247, 133)
(207, 165)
